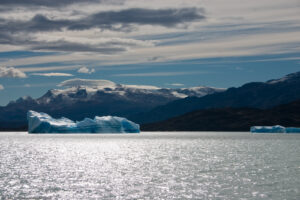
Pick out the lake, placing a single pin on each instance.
(150, 165)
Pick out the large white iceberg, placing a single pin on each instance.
(274, 129)
(44, 123)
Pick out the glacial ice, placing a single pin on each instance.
(44, 123)
(292, 130)
(274, 129)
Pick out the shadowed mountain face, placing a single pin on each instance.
(230, 119)
(79, 102)
(255, 95)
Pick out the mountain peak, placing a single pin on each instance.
(24, 98)
(289, 77)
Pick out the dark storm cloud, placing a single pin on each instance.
(20, 33)
(47, 3)
(108, 20)
(163, 17)
(5, 38)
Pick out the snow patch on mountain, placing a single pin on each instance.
(179, 95)
(142, 87)
(289, 77)
(84, 90)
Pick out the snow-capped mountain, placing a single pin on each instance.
(79, 98)
(97, 90)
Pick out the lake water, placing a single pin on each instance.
(185, 165)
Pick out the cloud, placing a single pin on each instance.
(177, 29)
(143, 87)
(246, 45)
(1, 87)
(49, 3)
(108, 47)
(42, 32)
(150, 74)
(99, 45)
(49, 68)
(113, 20)
(87, 83)
(78, 47)
(92, 83)
(176, 84)
(73, 44)
(85, 70)
(51, 74)
(11, 72)
(162, 17)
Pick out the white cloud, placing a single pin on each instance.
(91, 38)
(85, 70)
(101, 84)
(159, 74)
(51, 74)
(246, 45)
(50, 68)
(176, 84)
(143, 87)
(11, 72)
(87, 83)
(231, 28)
(1, 87)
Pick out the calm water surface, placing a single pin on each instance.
(198, 165)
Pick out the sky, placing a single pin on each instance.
(169, 43)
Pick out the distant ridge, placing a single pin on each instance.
(230, 119)
(88, 98)
(253, 95)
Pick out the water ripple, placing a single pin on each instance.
(150, 166)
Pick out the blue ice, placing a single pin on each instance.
(274, 129)
(44, 123)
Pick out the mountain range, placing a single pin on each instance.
(87, 98)
(252, 95)
(230, 119)
(150, 105)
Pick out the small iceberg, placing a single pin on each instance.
(274, 129)
(44, 123)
